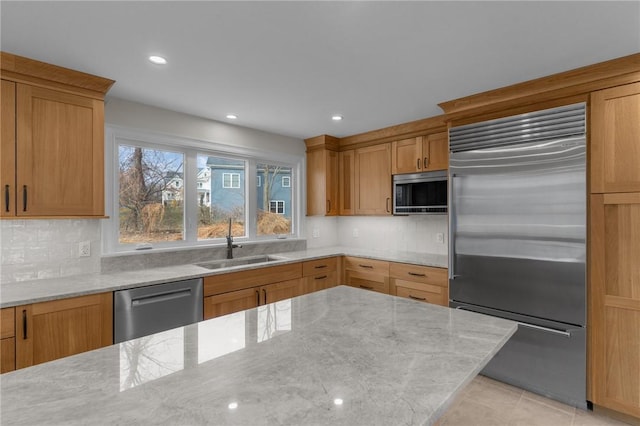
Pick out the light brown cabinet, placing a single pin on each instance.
(7, 340)
(367, 274)
(322, 176)
(420, 154)
(423, 283)
(615, 301)
(319, 274)
(615, 139)
(372, 179)
(237, 291)
(346, 193)
(59, 328)
(52, 143)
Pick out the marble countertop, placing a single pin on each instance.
(341, 356)
(25, 292)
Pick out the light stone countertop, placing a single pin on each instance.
(341, 356)
(25, 292)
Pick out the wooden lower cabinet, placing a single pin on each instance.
(7, 340)
(367, 274)
(59, 328)
(233, 301)
(614, 295)
(319, 274)
(423, 283)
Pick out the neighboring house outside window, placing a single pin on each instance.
(276, 206)
(286, 181)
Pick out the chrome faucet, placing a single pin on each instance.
(230, 245)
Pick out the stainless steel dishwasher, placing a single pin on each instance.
(146, 310)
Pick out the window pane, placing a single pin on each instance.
(274, 200)
(151, 195)
(221, 196)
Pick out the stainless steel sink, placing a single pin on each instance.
(227, 263)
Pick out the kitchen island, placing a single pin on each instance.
(337, 356)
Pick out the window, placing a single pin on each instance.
(231, 180)
(150, 198)
(273, 198)
(163, 192)
(276, 206)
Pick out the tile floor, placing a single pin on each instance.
(486, 402)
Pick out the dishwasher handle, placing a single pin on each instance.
(161, 297)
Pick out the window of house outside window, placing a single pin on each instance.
(274, 200)
(164, 192)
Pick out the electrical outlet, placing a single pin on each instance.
(316, 233)
(440, 238)
(84, 249)
(356, 234)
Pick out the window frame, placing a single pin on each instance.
(278, 202)
(231, 176)
(191, 148)
(288, 185)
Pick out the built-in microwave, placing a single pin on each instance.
(420, 193)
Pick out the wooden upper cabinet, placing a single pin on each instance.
(373, 180)
(420, 154)
(346, 191)
(59, 328)
(615, 139)
(322, 176)
(52, 145)
(8, 148)
(614, 295)
(60, 153)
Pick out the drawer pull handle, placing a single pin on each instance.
(24, 198)
(366, 287)
(416, 275)
(320, 266)
(422, 299)
(265, 296)
(24, 324)
(6, 197)
(257, 298)
(322, 277)
(366, 266)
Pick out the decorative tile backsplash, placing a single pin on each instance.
(36, 249)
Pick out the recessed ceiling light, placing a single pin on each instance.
(232, 116)
(158, 60)
(336, 117)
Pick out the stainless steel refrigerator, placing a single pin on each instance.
(517, 220)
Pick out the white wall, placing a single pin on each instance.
(398, 233)
(36, 249)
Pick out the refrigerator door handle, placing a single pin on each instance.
(452, 226)
(565, 333)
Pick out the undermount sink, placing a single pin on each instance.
(227, 263)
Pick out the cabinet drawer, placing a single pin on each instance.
(422, 292)
(368, 281)
(367, 265)
(421, 274)
(7, 354)
(228, 303)
(7, 323)
(319, 282)
(319, 266)
(217, 284)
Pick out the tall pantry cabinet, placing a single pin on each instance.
(614, 265)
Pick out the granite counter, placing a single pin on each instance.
(340, 356)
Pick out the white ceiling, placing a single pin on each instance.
(286, 67)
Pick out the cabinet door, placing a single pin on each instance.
(347, 182)
(60, 151)
(52, 330)
(435, 151)
(406, 155)
(373, 180)
(614, 352)
(615, 139)
(279, 291)
(8, 148)
(322, 183)
(228, 303)
(332, 183)
(7, 340)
